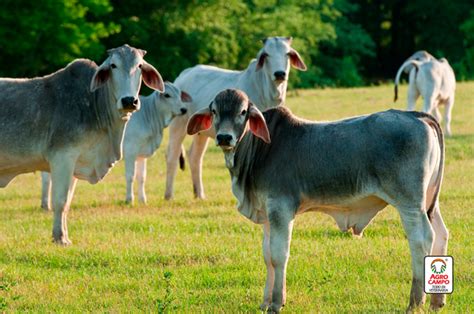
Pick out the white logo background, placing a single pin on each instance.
(438, 274)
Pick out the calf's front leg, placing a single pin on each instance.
(267, 295)
(141, 178)
(281, 219)
(45, 190)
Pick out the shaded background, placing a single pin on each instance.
(343, 42)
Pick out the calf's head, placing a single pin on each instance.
(232, 115)
(123, 72)
(275, 58)
(173, 101)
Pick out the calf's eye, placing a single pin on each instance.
(113, 66)
(244, 112)
(167, 96)
(213, 111)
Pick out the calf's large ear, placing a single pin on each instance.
(257, 124)
(101, 75)
(152, 78)
(200, 121)
(185, 97)
(296, 60)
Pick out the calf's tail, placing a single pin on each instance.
(431, 121)
(182, 160)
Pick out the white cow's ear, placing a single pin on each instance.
(257, 124)
(200, 121)
(152, 78)
(296, 60)
(101, 75)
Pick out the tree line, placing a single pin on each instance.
(343, 42)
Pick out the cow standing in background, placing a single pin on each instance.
(145, 132)
(434, 80)
(350, 169)
(71, 123)
(265, 82)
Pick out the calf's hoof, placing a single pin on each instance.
(168, 196)
(437, 302)
(45, 207)
(62, 241)
(274, 308)
(264, 306)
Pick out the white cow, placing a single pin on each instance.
(144, 133)
(264, 81)
(434, 80)
(71, 123)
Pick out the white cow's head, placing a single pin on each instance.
(123, 72)
(172, 102)
(275, 58)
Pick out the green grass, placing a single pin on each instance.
(203, 256)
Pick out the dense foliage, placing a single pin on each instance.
(344, 42)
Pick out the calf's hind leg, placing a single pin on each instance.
(420, 238)
(440, 247)
(45, 190)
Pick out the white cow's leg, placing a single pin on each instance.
(281, 225)
(45, 190)
(420, 238)
(412, 96)
(447, 115)
(141, 178)
(196, 155)
(177, 131)
(437, 114)
(267, 296)
(62, 179)
(440, 247)
(129, 178)
(429, 103)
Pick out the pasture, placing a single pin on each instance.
(187, 255)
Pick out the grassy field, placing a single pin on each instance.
(203, 256)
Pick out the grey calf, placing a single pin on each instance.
(350, 169)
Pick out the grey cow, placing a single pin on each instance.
(350, 169)
(71, 123)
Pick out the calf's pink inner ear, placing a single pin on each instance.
(258, 126)
(152, 77)
(199, 122)
(185, 97)
(296, 60)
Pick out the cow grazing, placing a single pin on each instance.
(264, 81)
(350, 169)
(145, 131)
(434, 80)
(71, 123)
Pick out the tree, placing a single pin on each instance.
(38, 37)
